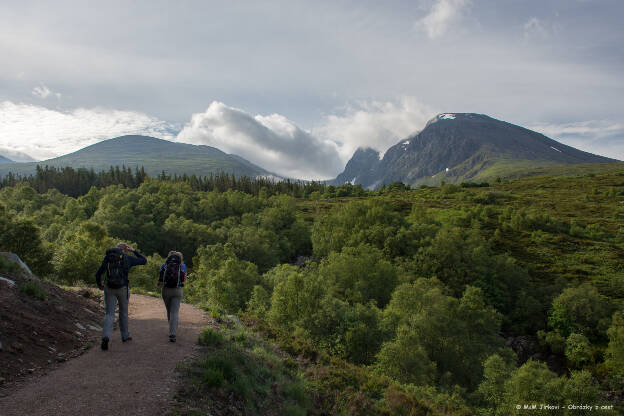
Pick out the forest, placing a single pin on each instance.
(457, 299)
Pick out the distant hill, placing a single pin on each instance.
(155, 155)
(461, 147)
(15, 155)
(5, 159)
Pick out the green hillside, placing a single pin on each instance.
(452, 300)
(497, 169)
(155, 155)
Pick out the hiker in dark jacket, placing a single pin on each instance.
(116, 265)
(172, 278)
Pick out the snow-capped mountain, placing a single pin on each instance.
(459, 147)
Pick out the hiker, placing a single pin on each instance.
(116, 264)
(172, 278)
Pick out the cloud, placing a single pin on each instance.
(41, 91)
(44, 92)
(534, 28)
(603, 137)
(376, 124)
(273, 142)
(44, 133)
(441, 16)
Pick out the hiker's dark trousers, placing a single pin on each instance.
(111, 297)
(172, 296)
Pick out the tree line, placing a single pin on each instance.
(76, 182)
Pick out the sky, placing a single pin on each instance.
(296, 87)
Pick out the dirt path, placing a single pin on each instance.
(133, 378)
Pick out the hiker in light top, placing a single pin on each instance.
(116, 265)
(172, 278)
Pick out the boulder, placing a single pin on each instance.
(15, 258)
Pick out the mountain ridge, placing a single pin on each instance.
(4, 159)
(457, 147)
(153, 154)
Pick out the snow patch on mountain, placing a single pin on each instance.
(554, 148)
(447, 116)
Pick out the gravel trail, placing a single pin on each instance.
(132, 378)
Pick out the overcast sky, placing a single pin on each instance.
(296, 87)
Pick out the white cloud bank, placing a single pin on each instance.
(272, 142)
(378, 125)
(442, 15)
(44, 133)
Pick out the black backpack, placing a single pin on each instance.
(173, 274)
(116, 268)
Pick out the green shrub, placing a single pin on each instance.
(582, 310)
(210, 337)
(492, 197)
(578, 350)
(552, 339)
(615, 351)
(296, 392)
(292, 409)
(34, 289)
(259, 303)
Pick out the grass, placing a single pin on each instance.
(239, 372)
(7, 266)
(210, 337)
(496, 169)
(33, 289)
(145, 292)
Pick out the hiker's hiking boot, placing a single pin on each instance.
(126, 339)
(172, 338)
(104, 344)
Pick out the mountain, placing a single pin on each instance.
(15, 155)
(460, 147)
(155, 155)
(5, 159)
(362, 168)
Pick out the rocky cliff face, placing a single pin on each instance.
(362, 168)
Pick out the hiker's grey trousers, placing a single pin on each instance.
(172, 297)
(111, 297)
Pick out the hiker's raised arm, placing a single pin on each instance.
(138, 260)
